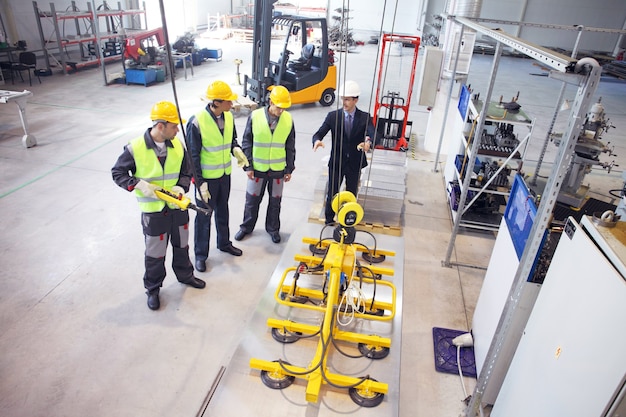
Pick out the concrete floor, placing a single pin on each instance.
(76, 335)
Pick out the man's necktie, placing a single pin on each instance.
(348, 123)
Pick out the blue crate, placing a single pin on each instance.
(215, 54)
(458, 162)
(143, 76)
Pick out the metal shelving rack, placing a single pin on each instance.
(585, 75)
(495, 114)
(92, 36)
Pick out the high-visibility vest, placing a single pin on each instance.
(268, 150)
(149, 169)
(215, 160)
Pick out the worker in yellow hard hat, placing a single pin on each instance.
(211, 140)
(269, 143)
(155, 161)
(352, 135)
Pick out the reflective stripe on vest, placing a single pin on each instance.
(215, 159)
(268, 150)
(149, 169)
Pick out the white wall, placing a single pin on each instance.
(401, 16)
(608, 14)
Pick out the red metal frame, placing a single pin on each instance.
(401, 143)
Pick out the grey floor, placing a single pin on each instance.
(76, 335)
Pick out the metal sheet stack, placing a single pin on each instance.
(383, 186)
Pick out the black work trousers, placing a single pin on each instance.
(335, 178)
(255, 189)
(219, 189)
(168, 225)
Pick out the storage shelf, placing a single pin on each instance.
(497, 113)
(472, 217)
(90, 41)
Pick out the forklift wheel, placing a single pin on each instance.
(284, 336)
(328, 97)
(366, 398)
(373, 352)
(277, 380)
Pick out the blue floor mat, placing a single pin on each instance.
(445, 353)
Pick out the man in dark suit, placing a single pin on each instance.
(352, 132)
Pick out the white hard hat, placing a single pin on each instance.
(349, 89)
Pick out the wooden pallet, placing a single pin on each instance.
(243, 103)
(243, 35)
(316, 215)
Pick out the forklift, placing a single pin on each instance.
(310, 78)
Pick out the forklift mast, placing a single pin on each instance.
(263, 14)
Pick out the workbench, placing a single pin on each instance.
(185, 59)
(19, 98)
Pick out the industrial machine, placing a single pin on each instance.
(334, 294)
(587, 152)
(391, 109)
(143, 48)
(310, 78)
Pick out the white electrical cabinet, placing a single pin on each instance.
(570, 360)
(429, 80)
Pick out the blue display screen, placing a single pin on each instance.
(520, 214)
(464, 99)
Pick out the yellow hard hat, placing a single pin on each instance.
(165, 110)
(280, 97)
(219, 90)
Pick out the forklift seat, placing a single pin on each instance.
(304, 62)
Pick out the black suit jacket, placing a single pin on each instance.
(344, 152)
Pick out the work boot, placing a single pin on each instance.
(232, 250)
(153, 300)
(240, 234)
(275, 237)
(195, 283)
(200, 265)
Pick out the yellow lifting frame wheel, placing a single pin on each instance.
(341, 198)
(349, 212)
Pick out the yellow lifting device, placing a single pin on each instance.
(337, 288)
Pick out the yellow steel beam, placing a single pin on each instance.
(359, 247)
(296, 327)
(337, 258)
(315, 260)
(368, 385)
(292, 326)
(370, 340)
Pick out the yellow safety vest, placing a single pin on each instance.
(149, 169)
(215, 160)
(268, 150)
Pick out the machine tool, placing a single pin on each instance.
(336, 293)
(143, 48)
(587, 151)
